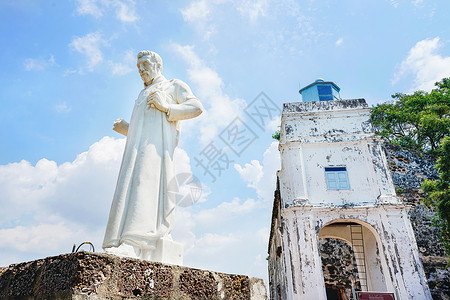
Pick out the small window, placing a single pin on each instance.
(337, 178)
(325, 92)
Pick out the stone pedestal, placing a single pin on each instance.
(86, 275)
(169, 251)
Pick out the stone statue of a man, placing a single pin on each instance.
(140, 219)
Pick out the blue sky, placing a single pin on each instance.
(68, 71)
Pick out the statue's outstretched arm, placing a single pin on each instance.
(121, 126)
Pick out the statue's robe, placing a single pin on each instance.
(144, 200)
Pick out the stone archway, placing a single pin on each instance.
(357, 239)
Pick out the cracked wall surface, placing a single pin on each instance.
(315, 136)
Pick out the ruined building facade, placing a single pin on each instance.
(335, 184)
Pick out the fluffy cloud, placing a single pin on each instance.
(424, 64)
(394, 3)
(220, 108)
(89, 7)
(251, 173)
(89, 46)
(125, 10)
(252, 9)
(200, 13)
(124, 67)
(262, 177)
(62, 107)
(299, 25)
(228, 232)
(224, 212)
(32, 64)
(48, 207)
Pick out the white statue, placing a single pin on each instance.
(140, 220)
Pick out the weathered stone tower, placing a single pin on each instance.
(334, 183)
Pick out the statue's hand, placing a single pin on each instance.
(157, 99)
(121, 126)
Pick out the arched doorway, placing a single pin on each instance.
(351, 257)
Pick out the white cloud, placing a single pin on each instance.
(212, 242)
(262, 177)
(339, 42)
(202, 13)
(198, 11)
(120, 69)
(274, 124)
(48, 207)
(89, 46)
(124, 67)
(253, 9)
(188, 190)
(424, 64)
(224, 212)
(89, 7)
(226, 231)
(62, 107)
(394, 3)
(299, 25)
(125, 10)
(45, 237)
(32, 64)
(251, 173)
(220, 109)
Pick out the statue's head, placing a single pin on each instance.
(149, 65)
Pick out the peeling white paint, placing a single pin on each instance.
(316, 135)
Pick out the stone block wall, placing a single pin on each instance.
(86, 275)
(409, 169)
(338, 265)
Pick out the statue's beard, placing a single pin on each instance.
(146, 77)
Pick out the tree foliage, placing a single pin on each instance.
(438, 192)
(421, 121)
(276, 135)
(418, 121)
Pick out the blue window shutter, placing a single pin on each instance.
(337, 178)
(332, 181)
(343, 180)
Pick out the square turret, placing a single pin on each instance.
(320, 90)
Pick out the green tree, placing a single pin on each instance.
(276, 135)
(418, 121)
(421, 121)
(438, 192)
